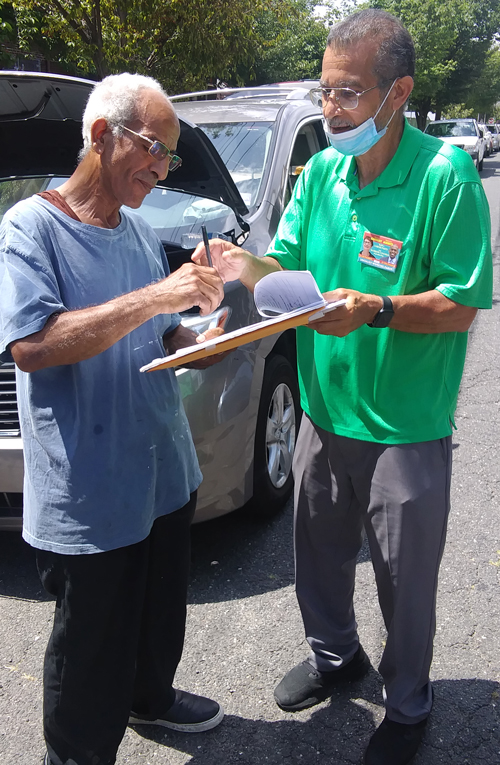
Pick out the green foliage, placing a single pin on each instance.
(452, 39)
(455, 111)
(486, 91)
(7, 33)
(183, 43)
(291, 47)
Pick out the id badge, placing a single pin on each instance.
(380, 251)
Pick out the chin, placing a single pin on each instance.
(135, 203)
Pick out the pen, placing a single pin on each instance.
(207, 246)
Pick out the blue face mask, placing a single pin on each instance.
(361, 139)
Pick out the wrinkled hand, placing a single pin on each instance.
(359, 309)
(229, 260)
(188, 286)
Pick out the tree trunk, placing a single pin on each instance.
(421, 110)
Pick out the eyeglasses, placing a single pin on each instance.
(345, 97)
(158, 150)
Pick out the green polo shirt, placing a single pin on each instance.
(385, 385)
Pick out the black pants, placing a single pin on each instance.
(116, 641)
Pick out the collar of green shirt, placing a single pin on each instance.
(396, 171)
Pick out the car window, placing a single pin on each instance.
(14, 190)
(306, 144)
(244, 147)
(175, 216)
(451, 129)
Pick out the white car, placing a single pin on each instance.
(488, 137)
(464, 133)
(495, 135)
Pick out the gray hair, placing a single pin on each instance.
(115, 99)
(395, 56)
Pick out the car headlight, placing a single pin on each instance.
(472, 149)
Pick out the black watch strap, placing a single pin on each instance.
(384, 316)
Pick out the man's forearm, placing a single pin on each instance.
(427, 313)
(74, 336)
(431, 313)
(256, 268)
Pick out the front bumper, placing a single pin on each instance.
(11, 464)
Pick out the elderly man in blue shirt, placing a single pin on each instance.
(111, 470)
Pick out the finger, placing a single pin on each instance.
(209, 334)
(210, 297)
(199, 256)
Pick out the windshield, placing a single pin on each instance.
(244, 147)
(451, 129)
(175, 216)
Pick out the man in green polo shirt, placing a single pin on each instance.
(379, 377)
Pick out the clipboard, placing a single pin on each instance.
(242, 336)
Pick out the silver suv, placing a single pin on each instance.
(243, 412)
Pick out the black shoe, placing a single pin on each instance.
(394, 743)
(188, 713)
(304, 686)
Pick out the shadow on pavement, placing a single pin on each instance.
(238, 556)
(463, 730)
(235, 556)
(491, 166)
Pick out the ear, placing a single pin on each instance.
(98, 133)
(401, 92)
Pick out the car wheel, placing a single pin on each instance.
(480, 165)
(275, 434)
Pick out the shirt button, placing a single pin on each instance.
(358, 199)
(355, 217)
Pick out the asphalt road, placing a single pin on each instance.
(244, 630)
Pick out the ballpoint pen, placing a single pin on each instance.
(207, 246)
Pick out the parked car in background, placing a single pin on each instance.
(244, 411)
(488, 137)
(495, 136)
(463, 133)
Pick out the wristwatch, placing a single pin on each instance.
(384, 317)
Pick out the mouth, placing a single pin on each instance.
(335, 129)
(338, 125)
(146, 185)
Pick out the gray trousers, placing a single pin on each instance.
(400, 495)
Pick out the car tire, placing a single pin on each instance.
(275, 435)
(480, 165)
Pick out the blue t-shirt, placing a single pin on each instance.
(107, 448)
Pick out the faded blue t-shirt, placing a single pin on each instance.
(107, 448)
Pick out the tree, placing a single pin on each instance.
(7, 34)
(292, 45)
(452, 38)
(486, 93)
(291, 48)
(181, 42)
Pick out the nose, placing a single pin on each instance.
(160, 168)
(332, 107)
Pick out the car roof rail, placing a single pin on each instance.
(290, 91)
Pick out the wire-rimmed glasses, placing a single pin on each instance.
(158, 150)
(347, 98)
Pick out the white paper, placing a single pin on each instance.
(284, 291)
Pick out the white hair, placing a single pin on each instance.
(115, 100)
